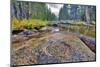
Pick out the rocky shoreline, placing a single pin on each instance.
(50, 45)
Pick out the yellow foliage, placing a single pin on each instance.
(87, 32)
(28, 24)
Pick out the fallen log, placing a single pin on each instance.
(90, 42)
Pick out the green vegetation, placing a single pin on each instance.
(81, 29)
(28, 15)
(28, 24)
(93, 23)
(88, 32)
(78, 12)
(31, 10)
(81, 23)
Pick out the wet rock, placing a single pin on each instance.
(26, 32)
(46, 28)
(50, 29)
(55, 25)
(24, 35)
(55, 30)
(16, 31)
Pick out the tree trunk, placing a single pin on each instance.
(87, 14)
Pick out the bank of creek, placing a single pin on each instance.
(51, 44)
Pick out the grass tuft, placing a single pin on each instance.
(28, 24)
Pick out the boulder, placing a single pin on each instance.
(55, 47)
(50, 29)
(26, 32)
(67, 48)
(24, 35)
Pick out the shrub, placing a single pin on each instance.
(88, 32)
(93, 23)
(28, 24)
